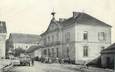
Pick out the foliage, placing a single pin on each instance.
(18, 51)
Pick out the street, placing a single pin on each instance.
(43, 67)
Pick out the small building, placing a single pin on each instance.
(35, 51)
(79, 38)
(108, 56)
(3, 33)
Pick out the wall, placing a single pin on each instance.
(37, 53)
(23, 45)
(93, 43)
(70, 44)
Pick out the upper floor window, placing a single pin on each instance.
(101, 35)
(67, 37)
(85, 51)
(52, 26)
(1, 24)
(26, 46)
(52, 38)
(57, 35)
(48, 38)
(44, 40)
(85, 35)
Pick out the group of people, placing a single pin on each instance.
(51, 60)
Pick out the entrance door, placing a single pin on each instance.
(108, 61)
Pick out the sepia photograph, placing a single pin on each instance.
(57, 36)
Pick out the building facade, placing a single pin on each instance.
(3, 33)
(23, 41)
(79, 38)
(52, 40)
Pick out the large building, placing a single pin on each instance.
(79, 38)
(23, 41)
(3, 33)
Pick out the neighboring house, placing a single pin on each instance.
(35, 51)
(3, 33)
(79, 38)
(20, 40)
(108, 56)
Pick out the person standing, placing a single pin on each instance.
(32, 61)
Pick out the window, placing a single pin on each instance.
(48, 38)
(52, 38)
(44, 41)
(45, 52)
(26, 46)
(52, 26)
(52, 52)
(85, 35)
(67, 37)
(101, 36)
(49, 54)
(57, 52)
(67, 51)
(1, 23)
(57, 36)
(85, 51)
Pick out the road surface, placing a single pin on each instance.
(43, 67)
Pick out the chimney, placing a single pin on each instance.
(75, 14)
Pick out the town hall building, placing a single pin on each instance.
(79, 38)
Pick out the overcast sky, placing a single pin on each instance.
(33, 16)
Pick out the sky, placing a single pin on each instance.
(33, 16)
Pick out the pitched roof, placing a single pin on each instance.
(83, 18)
(3, 27)
(110, 49)
(33, 48)
(24, 38)
(53, 21)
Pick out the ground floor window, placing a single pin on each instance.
(57, 52)
(45, 52)
(53, 52)
(67, 51)
(49, 54)
(85, 51)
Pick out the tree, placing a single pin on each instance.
(18, 51)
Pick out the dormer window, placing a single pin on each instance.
(52, 26)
